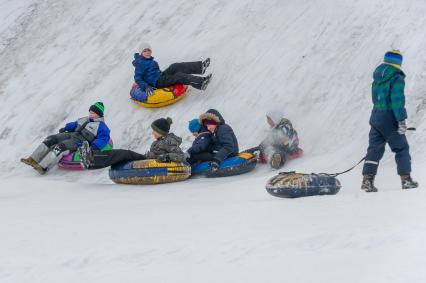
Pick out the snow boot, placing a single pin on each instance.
(368, 184)
(205, 65)
(408, 183)
(31, 162)
(206, 81)
(86, 155)
(277, 160)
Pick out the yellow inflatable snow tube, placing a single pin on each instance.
(148, 172)
(160, 98)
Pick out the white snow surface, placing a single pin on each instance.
(312, 59)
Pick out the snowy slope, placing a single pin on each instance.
(313, 59)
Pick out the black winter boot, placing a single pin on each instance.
(408, 183)
(86, 155)
(206, 81)
(205, 64)
(368, 184)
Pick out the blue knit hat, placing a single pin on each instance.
(194, 126)
(393, 57)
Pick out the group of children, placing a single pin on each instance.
(215, 140)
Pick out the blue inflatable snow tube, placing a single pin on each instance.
(229, 167)
(295, 185)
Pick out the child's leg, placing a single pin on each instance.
(168, 80)
(185, 67)
(44, 148)
(200, 157)
(56, 152)
(102, 159)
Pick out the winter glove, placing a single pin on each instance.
(149, 90)
(187, 155)
(163, 158)
(61, 130)
(214, 165)
(402, 127)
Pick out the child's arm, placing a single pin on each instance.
(102, 137)
(70, 127)
(139, 70)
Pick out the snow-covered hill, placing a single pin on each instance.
(313, 59)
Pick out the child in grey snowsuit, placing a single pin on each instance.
(91, 129)
(165, 148)
(201, 149)
(281, 141)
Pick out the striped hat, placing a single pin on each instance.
(98, 108)
(393, 57)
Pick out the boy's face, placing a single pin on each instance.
(270, 122)
(156, 135)
(93, 115)
(146, 53)
(211, 128)
(195, 134)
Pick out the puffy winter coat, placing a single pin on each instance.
(96, 132)
(282, 136)
(388, 95)
(147, 71)
(202, 143)
(224, 141)
(168, 144)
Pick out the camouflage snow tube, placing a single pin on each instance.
(294, 185)
(149, 172)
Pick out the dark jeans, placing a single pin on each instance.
(102, 159)
(182, 73)
(200, 157)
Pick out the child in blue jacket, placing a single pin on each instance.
(91, 129)
(201, 149)
(148, 75)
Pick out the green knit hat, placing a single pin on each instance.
(162, 126)
(98, 108)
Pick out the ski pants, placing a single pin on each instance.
(51, 150)
(102, 159)
(378, 137)
(182, 73)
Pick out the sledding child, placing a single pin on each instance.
(91, 129)
(281, 141)
(224, 141)
(202, 145)
(165, 148)
(148, 75)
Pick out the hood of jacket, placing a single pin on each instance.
(172, 139)
(385, 72)
(212, 114)
(139, 59)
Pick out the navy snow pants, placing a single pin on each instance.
(384, 130)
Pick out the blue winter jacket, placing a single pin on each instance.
(202, 143)
(147, 71)
(102, 135)
(224, 141)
